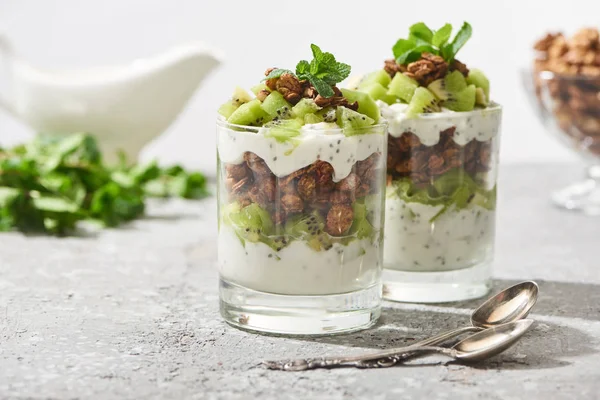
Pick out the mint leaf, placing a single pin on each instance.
(421, 31)
(302, 67)
(276, 73)
(316, 50)
(414, 54)
(463, 35)
(403, 46)
(441, 36)
(323, 71)
(322, 87)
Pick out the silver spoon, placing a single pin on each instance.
(477, 347)
(511, 304)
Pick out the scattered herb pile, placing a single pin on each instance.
(49, 185)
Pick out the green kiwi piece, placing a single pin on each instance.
(276, 106)
(451, 84)
(350, 120)
(257, 88)
(381, 77)
(304, 107)
(478, 78)
(226, 109)
(480, 97)
(309, 228)
(328, 114)
(423, 101)
(239, 97)
(283, 130)
(366, 105)
(313, 119)
(252, 223)
(378, 92)
(249, 114)
(463, 100)
(402, 87)
(361, 228)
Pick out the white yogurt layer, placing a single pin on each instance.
(298, 269)
(479, 125)
(456, 239)
(324, 141)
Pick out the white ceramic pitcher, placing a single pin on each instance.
(125, 106)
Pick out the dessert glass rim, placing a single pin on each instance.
(549, 75)
(492, 108)
(259, 129)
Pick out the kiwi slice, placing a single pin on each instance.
(351, 120)
(381, 77)
(313, 119)
(251, 223)
(276, 106)
(478, 78)
(304, 107)
(239, 97)
(328, 114)
(402, 87)
(250, 113)
(284, 130)
(463, 100)
(480, 97)
(451, 84)
(378, 92)
(423, 101)
(366, 105)
(309, 227)
(257, 88)
(361, 228)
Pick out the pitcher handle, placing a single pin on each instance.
(6, 69)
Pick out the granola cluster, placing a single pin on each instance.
(425, 70)
(408, 157)
(294, 89)
(303, 191)
(575, 102)
(578, 55)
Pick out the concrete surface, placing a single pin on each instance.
(132, 313)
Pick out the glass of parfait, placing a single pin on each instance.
(301, 203)
(441, 176)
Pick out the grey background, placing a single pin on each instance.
(133, 313)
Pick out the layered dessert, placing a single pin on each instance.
(301, 171)
(442, 153)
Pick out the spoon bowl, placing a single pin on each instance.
(491, 341)
(511, 304)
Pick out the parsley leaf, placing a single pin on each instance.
(49, 185)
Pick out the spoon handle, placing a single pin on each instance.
(373, 360)
(379, 359)
(436, 340)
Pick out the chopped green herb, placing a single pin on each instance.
(49, 185)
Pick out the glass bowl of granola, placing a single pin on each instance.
(564, 85)
(441, 169)
(301, 171)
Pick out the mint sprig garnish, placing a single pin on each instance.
(421, 39)
(323, 71)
